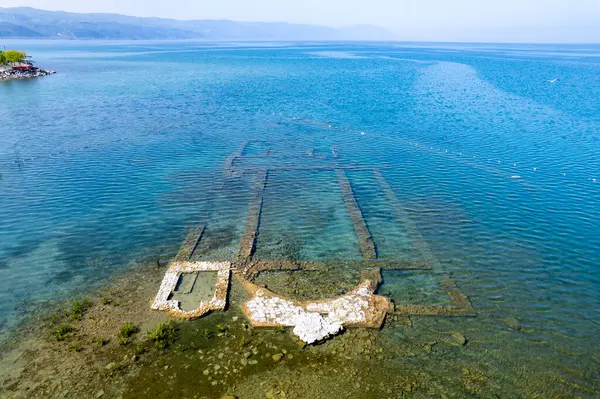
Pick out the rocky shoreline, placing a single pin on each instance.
(9, 74)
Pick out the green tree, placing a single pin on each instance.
(14, 56)
(2, 58)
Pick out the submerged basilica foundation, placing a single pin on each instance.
(191, 289)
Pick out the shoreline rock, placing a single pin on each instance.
(10, 74)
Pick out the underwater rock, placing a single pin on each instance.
(312, 327)
(111, 366)
(277, 357)
(363, 333)
(458, 339)
(512, 323)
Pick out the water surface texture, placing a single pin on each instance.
(120, 154)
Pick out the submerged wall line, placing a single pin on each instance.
(425, 310)
(190, 244)
(318, 167)
(459, 300)
(412, 230)
(229, 166)
(365, 240)
(255, 267)
(248, 241)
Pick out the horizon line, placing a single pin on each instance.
(390, 30)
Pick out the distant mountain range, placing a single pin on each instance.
(31, 23)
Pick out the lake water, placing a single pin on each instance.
(120, 154)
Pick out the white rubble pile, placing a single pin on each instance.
(273, 310)
(309, 324)
(312, 327)
(349, 309)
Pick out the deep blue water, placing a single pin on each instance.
(114, 158)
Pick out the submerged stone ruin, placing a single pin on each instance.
(180, 270)
(174, 276)
(185, 290)
(316, 320)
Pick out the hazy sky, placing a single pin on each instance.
(449, 20)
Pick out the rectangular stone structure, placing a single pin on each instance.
(165, 302)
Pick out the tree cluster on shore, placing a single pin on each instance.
(12, 56)
(15, 65)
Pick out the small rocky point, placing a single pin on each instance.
(8, 74)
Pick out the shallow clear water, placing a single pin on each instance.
(120, 154)
(293, 222)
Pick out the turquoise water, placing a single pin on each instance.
(120, 154)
